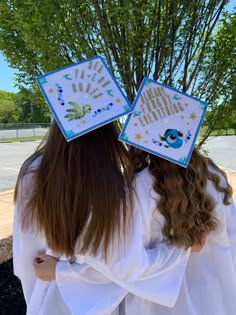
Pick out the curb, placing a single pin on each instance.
(6, 141)
(6, 192)
(227, 170)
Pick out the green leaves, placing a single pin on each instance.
(26, 106)
(179, 43)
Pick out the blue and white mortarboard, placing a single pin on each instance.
(83, 97)
(164, 122)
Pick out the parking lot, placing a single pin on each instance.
(221, 149)
(12, 155)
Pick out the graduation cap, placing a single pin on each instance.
(83, 96)
(164, 122)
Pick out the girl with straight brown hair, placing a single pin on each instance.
(75, 201)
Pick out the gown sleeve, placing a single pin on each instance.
(25, 243)
(96, 289)
(154, 274)
(231, 228)
(41, 297)
(230, 213)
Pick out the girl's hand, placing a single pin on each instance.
(198, 248)
(45, 266)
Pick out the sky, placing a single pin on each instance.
(6, 76)
(7, 73)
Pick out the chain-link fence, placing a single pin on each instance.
(9, 131)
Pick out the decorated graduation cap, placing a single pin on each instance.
(164, 122)
(83, 97)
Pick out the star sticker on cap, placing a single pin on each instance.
(192, 116)
(138, 136)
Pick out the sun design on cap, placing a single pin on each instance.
(91, 80)
(90, 83)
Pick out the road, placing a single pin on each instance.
(221, 149)
(12, 155)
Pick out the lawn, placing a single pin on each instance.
(20, 139)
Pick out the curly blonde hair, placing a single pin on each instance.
(184, 201)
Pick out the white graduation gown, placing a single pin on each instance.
(155, 274)
(209, 283)
(42, 297)
(207, 287)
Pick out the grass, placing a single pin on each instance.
(2, 140)
(228, 132)
(218, 132)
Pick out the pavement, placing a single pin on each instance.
(12, 156)
(6, 213)
(7, 205)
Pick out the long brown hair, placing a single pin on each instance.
(80, 191)
(184, 201)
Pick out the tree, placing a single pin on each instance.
(7, 107)
(217, 76)
(27, 106)
(31, 107)
(169, 41)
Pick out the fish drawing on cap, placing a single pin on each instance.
(172, 138)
